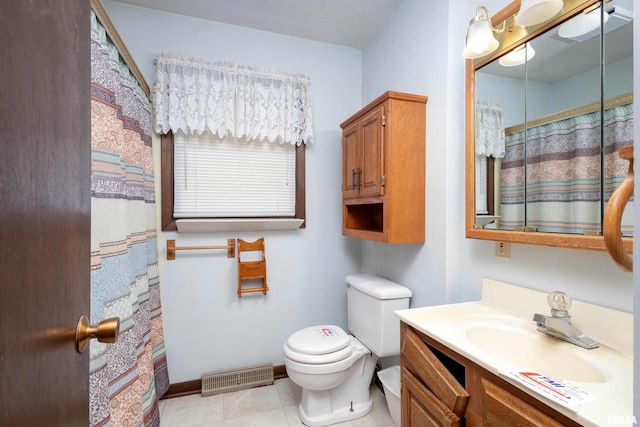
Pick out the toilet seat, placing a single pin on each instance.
(318, 345)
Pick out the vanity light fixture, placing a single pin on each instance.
(518, 56)
(534, 12)
(582, 24)
(480, 38)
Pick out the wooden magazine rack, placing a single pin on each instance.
(252, 270)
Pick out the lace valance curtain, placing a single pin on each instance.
(230, 100)
(489, 130)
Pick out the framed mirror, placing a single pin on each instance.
(546, 115)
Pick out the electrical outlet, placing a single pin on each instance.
(503, 249)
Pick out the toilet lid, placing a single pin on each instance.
(318, 340)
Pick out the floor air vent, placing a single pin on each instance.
(222, 382)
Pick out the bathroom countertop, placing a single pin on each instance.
(498, 333)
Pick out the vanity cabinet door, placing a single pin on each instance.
(503, 409)
(420, 407)
(430, 395)
(426, 366)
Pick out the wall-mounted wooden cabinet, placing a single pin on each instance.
(383, 170)
(443, 388)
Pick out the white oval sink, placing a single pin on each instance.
(532, 350)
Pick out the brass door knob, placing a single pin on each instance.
(107, 331)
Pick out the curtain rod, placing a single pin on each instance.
(589, 108)
(177, 59)
(101, 13)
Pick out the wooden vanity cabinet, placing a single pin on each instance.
(383, 170)
(438, 398)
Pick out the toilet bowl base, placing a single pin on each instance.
(338, 415)
(348, 401)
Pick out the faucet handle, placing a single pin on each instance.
(560, 303)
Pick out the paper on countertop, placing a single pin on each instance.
(560, 391)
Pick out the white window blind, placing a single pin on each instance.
(231, 178)
(481, 185)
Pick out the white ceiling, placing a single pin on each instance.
(350, 23)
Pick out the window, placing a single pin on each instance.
(489, 146)
(485, 197)
(199, 98)
(204, 178)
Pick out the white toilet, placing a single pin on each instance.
(334, 368)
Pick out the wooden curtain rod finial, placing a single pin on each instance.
(172, 248)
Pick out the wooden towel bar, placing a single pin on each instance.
(172, 248)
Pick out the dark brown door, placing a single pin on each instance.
(44, 211)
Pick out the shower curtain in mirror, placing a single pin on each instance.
(127, 377)
(563, 172)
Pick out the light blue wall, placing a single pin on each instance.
(618, 81)
(207, 328)
(510, 93)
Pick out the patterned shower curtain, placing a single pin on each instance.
(128, 377)
(563, 172)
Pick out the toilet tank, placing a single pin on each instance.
(371, 301)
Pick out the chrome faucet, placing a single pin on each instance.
(558, 325)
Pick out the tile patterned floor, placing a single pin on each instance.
(269, 406)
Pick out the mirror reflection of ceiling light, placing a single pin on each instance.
(480, 38)
(534, 12)
(518, 56)
(582, 24)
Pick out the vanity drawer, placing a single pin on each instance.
(420, 407)
(436, 377)
(503, 409)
